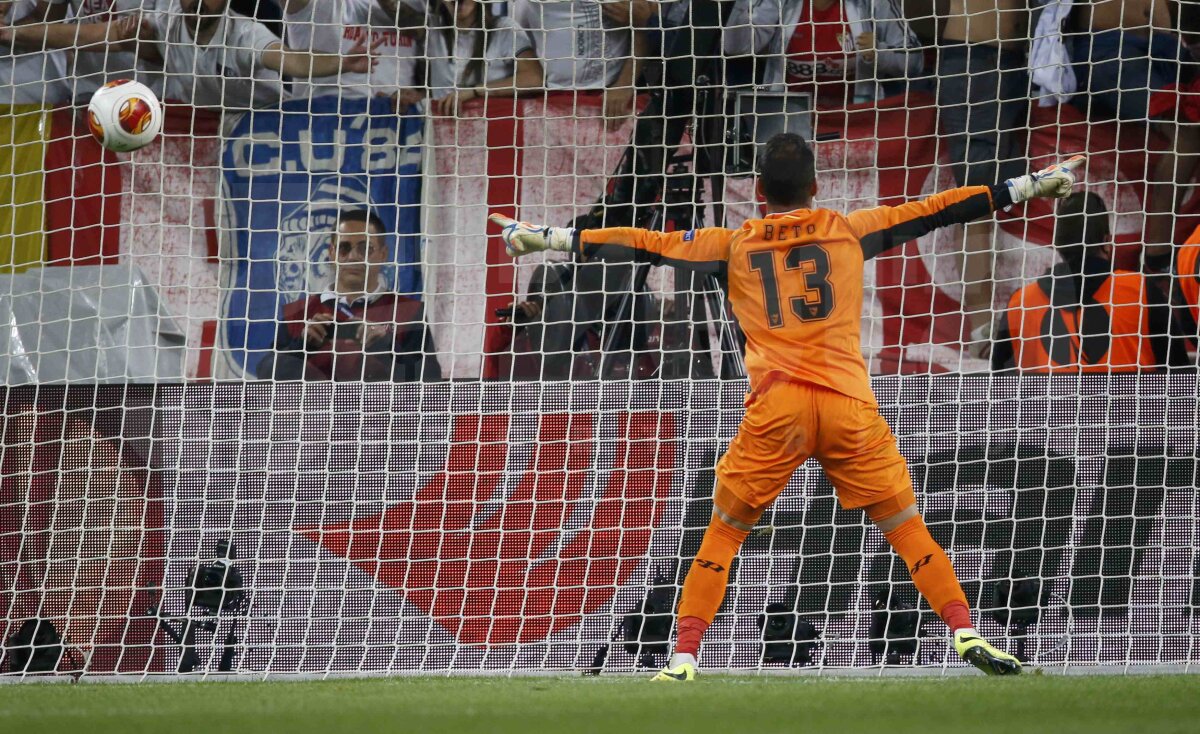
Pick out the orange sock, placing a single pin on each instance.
(931, 572)
(704, 588)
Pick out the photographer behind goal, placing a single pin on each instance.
(578, 320)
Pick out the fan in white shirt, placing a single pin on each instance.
(584, 48)
(90, 71)
(394, 28)
(27, 75)
(472, 54)
(212, 57)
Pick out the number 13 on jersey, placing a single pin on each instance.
(805, 272)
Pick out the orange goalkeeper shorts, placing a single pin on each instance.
(786, 422)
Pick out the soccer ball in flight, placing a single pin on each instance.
(124, 115)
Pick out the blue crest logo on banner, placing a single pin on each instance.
(285, 175)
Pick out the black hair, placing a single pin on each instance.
(475, 72)
(366, 216)
(1081, 222)
(787, 170)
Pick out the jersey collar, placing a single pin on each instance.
(778, 215)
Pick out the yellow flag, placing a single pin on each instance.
(24, 130)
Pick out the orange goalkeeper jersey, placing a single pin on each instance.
(795, 280)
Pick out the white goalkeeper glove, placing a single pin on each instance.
(1050, 182)
(521, 238)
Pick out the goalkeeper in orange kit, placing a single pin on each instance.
(795, 283)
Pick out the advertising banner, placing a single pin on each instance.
(341, 528)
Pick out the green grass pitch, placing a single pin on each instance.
(622, 705)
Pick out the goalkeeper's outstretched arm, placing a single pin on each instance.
(702, 250)
(884, 227)
(707, 250)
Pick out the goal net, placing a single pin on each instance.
(277, 402)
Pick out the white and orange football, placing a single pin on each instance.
(124, 115)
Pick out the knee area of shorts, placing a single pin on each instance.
(733, 510)
(892, 506)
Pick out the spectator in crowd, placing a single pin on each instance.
(90, 71)
(1136, 68)
(652, 16)
(580, 49)
(392, 27)
(28, 76)
(473, 54)
(266, 11)
(211, 56)
(356, 330)
(1084, 315)
(982, 98)
(1185, 292)
(644, 14)
(215, 57)
(839, 51)
(1189, 26)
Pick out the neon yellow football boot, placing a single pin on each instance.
(681, 668)
(978, 652)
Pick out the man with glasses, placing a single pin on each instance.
(356, 330)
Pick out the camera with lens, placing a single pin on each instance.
(758, 115)
(344, 330)
(214, 587)
(895, 628)
(647, 628)
(787, 637)
(514, 314)
(1018, 602)
(217, 586)
(35, 647)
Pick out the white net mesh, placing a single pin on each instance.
(197, 478)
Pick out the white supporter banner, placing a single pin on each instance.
(169, 193)
(564, 156)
